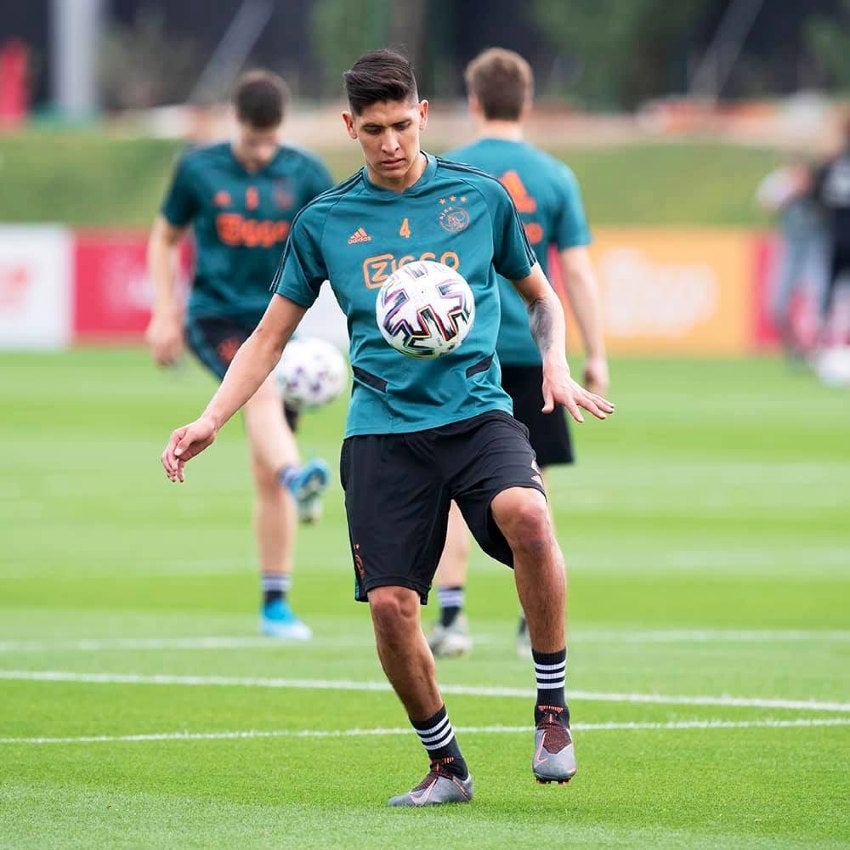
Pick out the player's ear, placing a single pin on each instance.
(348, 118)
(423, 114)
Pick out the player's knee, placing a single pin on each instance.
(394, 609)
(266, 478)
(527, 528)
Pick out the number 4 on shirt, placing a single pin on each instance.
(404, 230)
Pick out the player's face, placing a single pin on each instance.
(388, 133)
(255, 148)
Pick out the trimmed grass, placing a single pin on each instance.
(708, 544)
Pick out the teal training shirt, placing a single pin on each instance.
(241, 221)
(357, 234)
(547, 197)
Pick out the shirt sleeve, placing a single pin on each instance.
(571, 230)
(302, 269)
(513, 256)
(181, 202)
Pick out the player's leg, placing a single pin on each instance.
(272, 446)
(549, 435)
(523, 517)
(397, 512)
(500, 492)
(449, 636)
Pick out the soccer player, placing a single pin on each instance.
(241, 198)
(832, 192)
(423, 432)
(786, 192)
(500, 88)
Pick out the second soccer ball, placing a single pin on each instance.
(311, 373)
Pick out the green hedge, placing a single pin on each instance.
(82, 178)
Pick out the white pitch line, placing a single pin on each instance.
(463, 730)
(592, 636)
(461, 690)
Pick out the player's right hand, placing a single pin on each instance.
(184, 444)
(164, 336)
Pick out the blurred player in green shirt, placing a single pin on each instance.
(240, 199)
(547, 198)
(421, 433)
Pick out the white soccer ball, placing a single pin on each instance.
(425, 309)
(833, 366)
(311, 372)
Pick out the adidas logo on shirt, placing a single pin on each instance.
(359, 235)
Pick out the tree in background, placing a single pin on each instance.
(827, 38)
(145, 63)
(345, 29)
(624, 51)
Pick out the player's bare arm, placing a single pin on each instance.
(547, 327)
(582, 296)
(164, 334)
(250, 367)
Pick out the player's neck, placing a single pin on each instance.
(405, 181)
(509, 130)
(251, 165)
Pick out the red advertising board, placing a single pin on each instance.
(112, 292)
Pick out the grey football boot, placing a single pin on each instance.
(554, 758)
(451, 641)
(437, 788)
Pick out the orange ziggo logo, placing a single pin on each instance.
(377, 269)
(234, 229)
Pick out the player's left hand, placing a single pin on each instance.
(560, 388)
(184, 444)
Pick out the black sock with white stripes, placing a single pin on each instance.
(550, 669)
(275, 586)
(438, 738)
(451, 603)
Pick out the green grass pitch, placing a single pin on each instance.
(707, 535)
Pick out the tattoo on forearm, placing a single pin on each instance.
(542, 326)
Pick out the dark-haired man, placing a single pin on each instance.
(240, 198)
(500, 86)
(421, 433)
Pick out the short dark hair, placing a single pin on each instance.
(377, 77)
(502, 81)
(260, 99)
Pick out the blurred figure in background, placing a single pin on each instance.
(787, 193)
(832, 192)
(545, 192)
(240, 197)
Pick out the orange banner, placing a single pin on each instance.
(675, 291)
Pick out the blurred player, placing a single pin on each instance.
(832, 191)
(546, 194)
(240, 198)
(423, 432)
(787, 193)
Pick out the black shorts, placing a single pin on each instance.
(215, 341)
(398, 488)
(548, 432)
